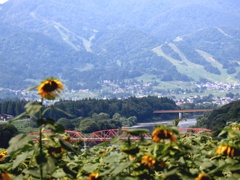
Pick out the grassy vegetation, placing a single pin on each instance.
(23, 126)
(193, 70)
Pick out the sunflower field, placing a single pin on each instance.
(168, 155)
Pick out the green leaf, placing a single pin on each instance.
(31, 88)
(205, 165)
(220, 167)
(34, 172)
(56, 128)
(32, 108)
(18, 142)
(50, 165)
(90, 167)
(113, 158)
(231, 161)
(59, 173)
(5, 166)
(167, 173)
(224, 131)
(193, 170)
(18, 117)
(120, 168)
(58, 109)
(67, 146)
(19, 177)
(234, 167)
(20, 158)
(115, 140)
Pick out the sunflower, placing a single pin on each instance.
(55, 151)
(161, 133)
(202, 177)
(235, 126)
(148, 161)
(93, 176)
(50, 88)
(5, 176)
(2, 155)
(226, 150)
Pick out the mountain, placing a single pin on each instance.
(85, 43)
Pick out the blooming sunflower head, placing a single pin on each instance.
(227, 150)
(148, 161)
(93, 176)
(235, 126)
(162, 133)
(2, 155)
(202, 177)
(5, 176)
(55, 151)
(50, 88)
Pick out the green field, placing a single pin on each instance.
(23, 126)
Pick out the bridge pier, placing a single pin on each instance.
(180, 115)
(85, 145)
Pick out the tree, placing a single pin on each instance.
(7, 131)
(88, 125)
(102, 116)
(66, 123)
(116, 116)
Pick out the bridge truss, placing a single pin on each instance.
(107, 135)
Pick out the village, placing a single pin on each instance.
(218, 93)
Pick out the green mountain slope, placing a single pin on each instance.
(85, 43)
(210, 54)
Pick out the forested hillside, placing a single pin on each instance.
(220, 117)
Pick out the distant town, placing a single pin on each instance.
(201, 93)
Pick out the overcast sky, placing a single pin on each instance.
(3, 1)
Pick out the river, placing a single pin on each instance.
(150, 126)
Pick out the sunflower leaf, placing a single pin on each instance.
(32, 108)
(18, 117)
(21, 158)
(31, 88)
(67, 146)
(58, 109)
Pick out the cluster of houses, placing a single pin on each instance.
(5, 117)
(141, 89)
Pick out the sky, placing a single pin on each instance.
(3, 1)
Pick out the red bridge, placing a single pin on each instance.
(180, 111)
(107, 135)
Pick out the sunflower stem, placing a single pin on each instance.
(40, 139)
